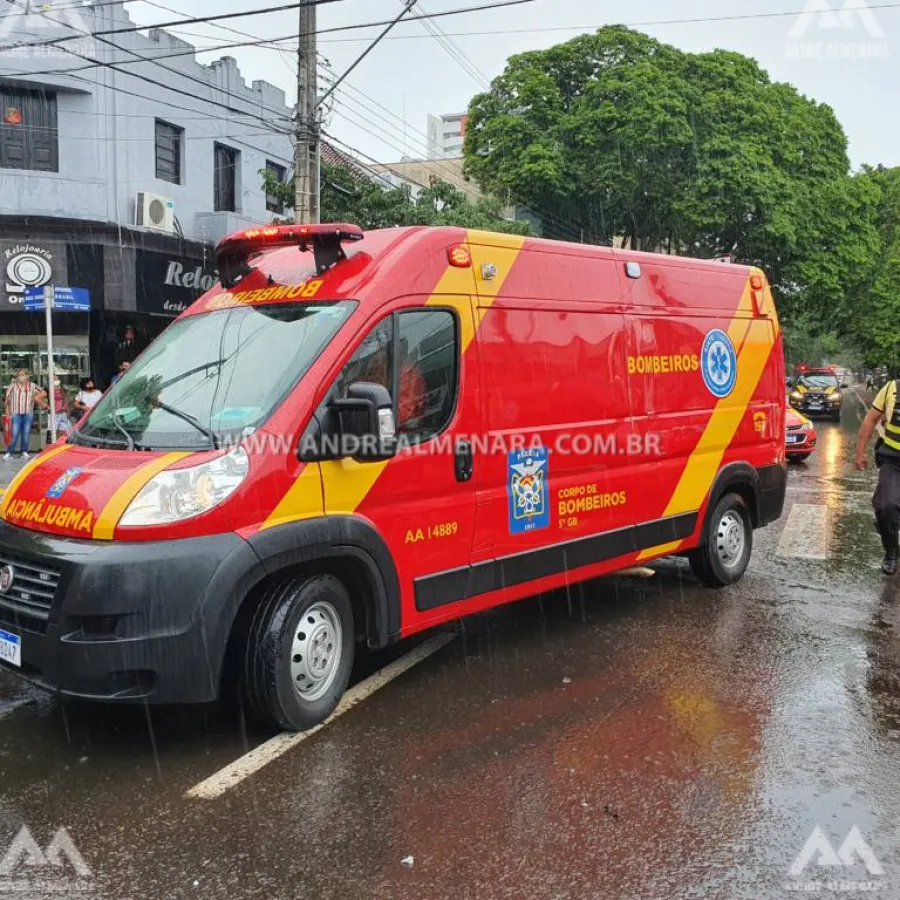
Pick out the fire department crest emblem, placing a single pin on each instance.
(528, 508)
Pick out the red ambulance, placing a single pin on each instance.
(355, 437)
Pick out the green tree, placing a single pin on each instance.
(621, 136)
(876, 316)
(346, 197)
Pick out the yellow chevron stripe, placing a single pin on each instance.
(346, 482)
(105, 527)
(36, 463)
(302, 501)
(703, 464)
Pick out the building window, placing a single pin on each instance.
(29, 137)
(225, 180)
(274, 203)
(169, 143)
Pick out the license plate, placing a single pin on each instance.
(10, 648)
(793, 438)
(815, 406)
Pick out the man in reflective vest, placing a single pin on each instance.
(885, 417)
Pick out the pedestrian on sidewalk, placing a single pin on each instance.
(88, 397)
(61, 408)
(21, 397)
(884, 416)
(123, 368)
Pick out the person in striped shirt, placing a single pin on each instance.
(21, 397)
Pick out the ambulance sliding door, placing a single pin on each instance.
(556, 415)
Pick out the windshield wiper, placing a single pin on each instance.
(191, 420)
(129, 439)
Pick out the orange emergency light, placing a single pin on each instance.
(232, 252)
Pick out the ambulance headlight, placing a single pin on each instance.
(796, 395)
(179, 494)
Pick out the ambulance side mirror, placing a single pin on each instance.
(365, 417)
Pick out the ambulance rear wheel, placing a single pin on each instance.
(299, 653)
(724, 555)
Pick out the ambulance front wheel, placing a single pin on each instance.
(723, 556)
(299, 652)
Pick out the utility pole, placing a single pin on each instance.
(306, 153)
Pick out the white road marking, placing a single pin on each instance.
(12, 706)
(250, 763)
(806, 533)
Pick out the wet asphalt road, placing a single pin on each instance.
(631, 739)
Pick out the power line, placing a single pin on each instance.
(455, 52)
(699, 20)
(191, 20)
(138, 140)
(211, 87)
(435, 166)
(499, 4)
(170, 105)
(282, 52)
(147, 59)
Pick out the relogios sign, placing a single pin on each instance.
(167, 285)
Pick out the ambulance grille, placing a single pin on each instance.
(119, 463)
(27, 602)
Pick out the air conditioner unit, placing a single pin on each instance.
(153, 211)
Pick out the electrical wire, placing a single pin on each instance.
(435, 165)
(362, 122)
(499, 4)
(141, 58)
(454, 51)
(192, 95)
(191, 20)
(590, 28)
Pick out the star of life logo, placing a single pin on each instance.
(819, 867)
(832, 29)
(59, 869)
(718, 363)
(26, 24)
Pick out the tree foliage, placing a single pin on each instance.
(346, 197)
(621, 136)
(876, 314)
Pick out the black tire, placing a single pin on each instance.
(714, 562)
(270, 689)
(836, 417)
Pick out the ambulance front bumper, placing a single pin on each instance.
(119, 621)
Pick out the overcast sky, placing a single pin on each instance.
(411, 74)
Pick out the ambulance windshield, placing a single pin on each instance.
(213, 377)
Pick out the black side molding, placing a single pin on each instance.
(454, 585)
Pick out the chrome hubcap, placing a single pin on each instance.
(316, 651)
(730, 539)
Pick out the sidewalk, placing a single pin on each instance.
(9, 469)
